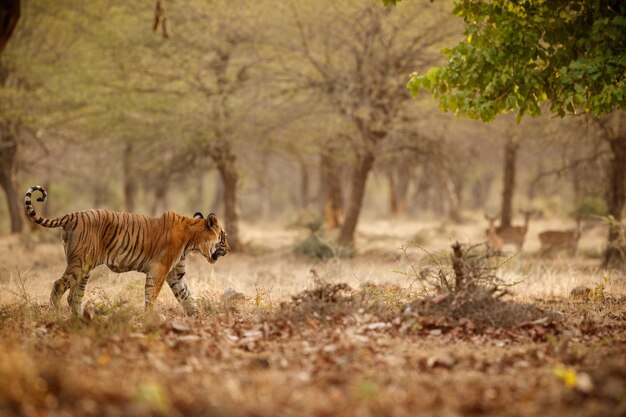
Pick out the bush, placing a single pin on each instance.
(591, 207)
(318, 246)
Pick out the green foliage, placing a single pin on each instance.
(518, 54)
(590, 207)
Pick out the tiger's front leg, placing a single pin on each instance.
(179, 287)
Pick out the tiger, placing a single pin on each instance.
(156, 246)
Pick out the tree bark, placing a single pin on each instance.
(615, 254)
(130, 182)
(393, 194)
(9, 16)
(218, 196)
(199, 197)
(305, 186)
(8, 153)
(160, 197)
(510, 158)
(264, 188)
(362, 168)
(225, 160)
(332, 196)
(452, 196)
(480, 191)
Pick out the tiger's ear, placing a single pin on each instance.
(198, 215)
(211, 220)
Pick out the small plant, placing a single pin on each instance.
(318, 246)
(591, 207)
(597, 292)
(260, 296)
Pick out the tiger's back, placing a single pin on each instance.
(122, 241)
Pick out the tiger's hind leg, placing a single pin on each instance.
(75, 278)
(179, 287)
(155, 278)
(75, 297)
(73, 272)
(58, 289)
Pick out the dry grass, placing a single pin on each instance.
(313, 338)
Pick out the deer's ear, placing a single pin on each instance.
(198, 215)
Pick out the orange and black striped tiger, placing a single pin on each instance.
(125, 242)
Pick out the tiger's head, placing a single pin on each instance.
(213, 243)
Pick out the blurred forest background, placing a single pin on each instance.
(269, 111)
(295, 122)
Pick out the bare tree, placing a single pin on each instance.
(358, 64)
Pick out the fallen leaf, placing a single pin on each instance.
(180, 326)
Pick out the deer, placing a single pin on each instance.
(511, 234)
(494, 242)
(552, 240)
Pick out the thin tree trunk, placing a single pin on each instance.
(218, 197)
(264, 188)
(130, 182)
(615, 254)
(421, 202)
(402, 189)
(230, 179)
(160, 198)
(393, 194)
(199, 200)
(480, 191)
(452, 196)
(510, 158)
(361, 171)
(332, 196)
(9, 16)
(8, 153)
(305, 186)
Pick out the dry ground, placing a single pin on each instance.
(291, 347)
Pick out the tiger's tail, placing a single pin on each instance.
(30, 211)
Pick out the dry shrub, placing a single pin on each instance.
(475, 309)
(318, 246)
(326, 302)
(469, 294)
(337, 303)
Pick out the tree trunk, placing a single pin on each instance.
(305, 186)
(218, 196)
(399, 177)
(510, 157)
(8, 153)
(160, 198)
(480, 191)
(361, 171)
(330, 184)
(393, 194)
(230, 179)
(452, 196)
(9, 16)
(199, 197)
(615, 254)
(264, 188)
(130, 182)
